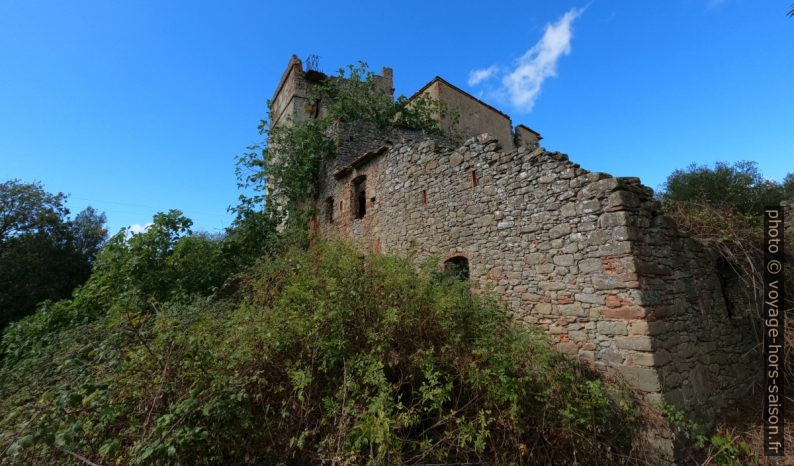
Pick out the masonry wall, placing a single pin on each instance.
(526, 137)
(290, 98)
(474, 117)
(711, 361)
(583, 254)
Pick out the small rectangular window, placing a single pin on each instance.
(473, 179)
(360, 197)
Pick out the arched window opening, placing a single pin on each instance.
(360, 197)
(457, 267)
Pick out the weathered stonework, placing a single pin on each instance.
(584, 254)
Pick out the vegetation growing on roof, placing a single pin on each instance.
(290, 159)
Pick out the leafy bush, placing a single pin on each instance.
(165, 263)
(354, 95)
(720, 448)
(326, 355)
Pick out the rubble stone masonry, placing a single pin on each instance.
(586, 255)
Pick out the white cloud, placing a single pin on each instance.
(520, 85)
(137, 228)
(478, 76)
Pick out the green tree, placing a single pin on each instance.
(26, 208)
(89, 232)
(738, 188)
(43, 255)
(166, 262)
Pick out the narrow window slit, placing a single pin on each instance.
(360, 197)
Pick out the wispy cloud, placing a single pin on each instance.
(478, 76)
(521, 83)
(137, 228)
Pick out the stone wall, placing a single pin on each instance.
(473, 115)
(584, 254)
(290, 98)
(704, 353)
(524, 136)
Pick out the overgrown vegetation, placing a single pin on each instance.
(326, 356)
(43, 253)
(723, 208)
(290, 160)
(721, 447)
(256, 348)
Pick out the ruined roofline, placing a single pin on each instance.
(444, 144)
(439, 79)
(522, 125)
(444, 81)
(293, 61)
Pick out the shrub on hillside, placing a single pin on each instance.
(326, 355)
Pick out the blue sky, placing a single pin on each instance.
(138, 107)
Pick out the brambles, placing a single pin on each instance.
(326, 355)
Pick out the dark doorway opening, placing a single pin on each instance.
(457, 268)
(360, 197)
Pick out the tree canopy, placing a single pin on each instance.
(43, 254)
(739, 187)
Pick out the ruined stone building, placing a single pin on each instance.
(582, 253)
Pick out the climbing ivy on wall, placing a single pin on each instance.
(288, 163)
